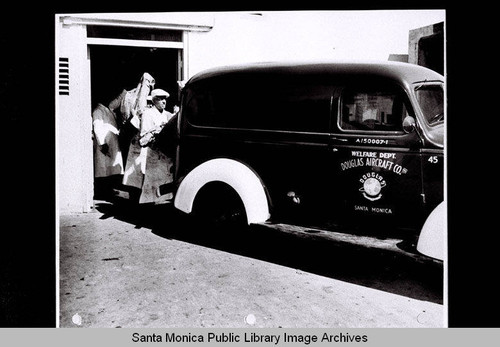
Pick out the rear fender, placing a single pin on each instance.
(234, 173)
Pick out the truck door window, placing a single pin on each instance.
(372, 110)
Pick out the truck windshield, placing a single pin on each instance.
(431, 101)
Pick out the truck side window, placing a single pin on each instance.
(372, 110)
(250, 103)
(199, 109)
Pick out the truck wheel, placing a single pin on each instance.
(218, 206)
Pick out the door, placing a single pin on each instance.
(376, 165)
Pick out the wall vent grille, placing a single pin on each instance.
(63, 76)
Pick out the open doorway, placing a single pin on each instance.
(115, 68)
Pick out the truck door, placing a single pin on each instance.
(376, 165)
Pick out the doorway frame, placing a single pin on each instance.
(74, 146)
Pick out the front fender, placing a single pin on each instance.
(237, 175)
(432, 240)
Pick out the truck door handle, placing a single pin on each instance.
(335, 149)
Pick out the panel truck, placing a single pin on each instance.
(329, 146)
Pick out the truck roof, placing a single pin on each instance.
(403, 72)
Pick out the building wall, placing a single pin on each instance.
(310, 35)
(74, 153)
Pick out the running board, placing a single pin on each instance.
(386, 244)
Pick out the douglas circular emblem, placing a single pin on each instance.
(372, 185)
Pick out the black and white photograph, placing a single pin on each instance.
(251, 169)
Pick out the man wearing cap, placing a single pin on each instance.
(156, 166)
(154, 118)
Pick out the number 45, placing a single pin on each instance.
(433, 159)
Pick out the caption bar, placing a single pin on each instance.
(250, 337)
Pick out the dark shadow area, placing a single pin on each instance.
(114, 68)
(27, 248)
(373, 268)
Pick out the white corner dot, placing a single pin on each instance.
(77, 319)
(250, 319)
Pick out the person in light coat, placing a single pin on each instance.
(107, 156)
(133, 104)
(108, 161)
(156, 166)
